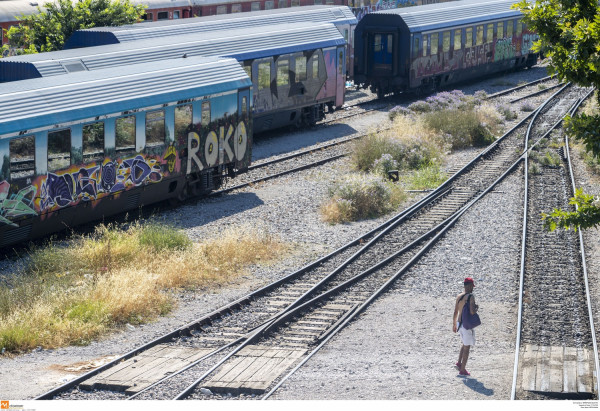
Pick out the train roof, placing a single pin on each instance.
(30, 104)
(244, 44)
(112, 35)
(441, 15)
(11, 9)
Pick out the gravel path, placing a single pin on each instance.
(418, 342)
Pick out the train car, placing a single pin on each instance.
(81, 147)
(341, 17)
(296, 69)
(427, 47)
(217, 7)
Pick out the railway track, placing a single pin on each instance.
(340, 284)
(556, 355)
(316, 156)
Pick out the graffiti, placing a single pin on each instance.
(504, 49)
(215, 152)
(17, 205)
(86, 184)
(362, 11)
(527, 42)
(171, 157)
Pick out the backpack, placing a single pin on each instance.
(468, 320)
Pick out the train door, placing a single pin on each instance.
(383, 52)
(341, 76)
(243, 132)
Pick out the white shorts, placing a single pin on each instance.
(467, 336)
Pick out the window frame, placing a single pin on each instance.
(164, 128)
(435, 43)
(91, 156)
(283, 62)
(446, 35)
(128, 148)
(205, 113)
(11, 159)
(60, 166)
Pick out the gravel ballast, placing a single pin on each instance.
(408, 354)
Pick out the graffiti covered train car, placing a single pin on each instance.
(81, 147)
(296, 69)
(424, 48)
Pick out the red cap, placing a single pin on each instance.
(469, 280)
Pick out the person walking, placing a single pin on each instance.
(467, 336)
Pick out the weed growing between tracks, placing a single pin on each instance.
(73, 292)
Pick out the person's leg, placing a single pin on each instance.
(460, 355)
(465, 357)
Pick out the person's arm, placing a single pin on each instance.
(473, 307)
(454, 317)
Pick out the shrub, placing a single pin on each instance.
(420, 107)
(427, 177)
(398, 111)
(360, 196)
(527, 107)
(506, 111)
(384, 164)
(408, 143)
(461, 128)
(534, 168)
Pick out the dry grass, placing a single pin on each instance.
(74, 293)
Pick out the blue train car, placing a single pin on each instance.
(423, 48)
(296, 69)
(341, 16)
(80, 147)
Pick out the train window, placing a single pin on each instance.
(183, 120)
(318, 1)
(205, 113)
(255, 6)
(264, 75)
(236, 8)
(244, 105)
(424, 45)
(341, 61)
(458, 39)
(479, 35)
(434, 43)
(269, 4)
(469, 37)
(390, 43)
(446, 42)
(509, 29)
(300, 68)
(489, 33)
(519, 28)
(125, 134)
(155, 127)
(295, 3)
(93, 142)
(282, 4)
(163, 15)
(346, 35)
(59, 149)
(248, 70)
(283, 72)
(416, 47)
(221, 9)
(500, 30)
(315, 66)
(148, 17)
(176, 14)
(22, 157)
(377, 43)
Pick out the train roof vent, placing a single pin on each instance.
(75, 66)
(337, 13)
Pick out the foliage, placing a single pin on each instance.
(73, 292)
(527, 107)
(408, 143)
(50, 28)
(384, 164)
(361, 196)
(460, 128)
(430, 176)
(569, 34)
(587, 215)
(506, 111)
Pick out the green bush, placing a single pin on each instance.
(361, 196)
(428, 177)
(404, 152)
(460, 128)
(164, 238)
